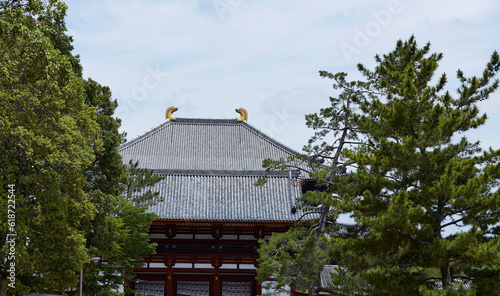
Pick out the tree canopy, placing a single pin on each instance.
(60, 160)
(424, 198)
(49, 137)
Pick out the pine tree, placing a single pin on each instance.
(296, 258)
(414, 178)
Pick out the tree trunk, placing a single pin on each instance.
(313, 289)
(446, 276)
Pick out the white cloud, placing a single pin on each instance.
(262, 55)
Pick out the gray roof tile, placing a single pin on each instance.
(203, 144)
(225, 197)
(210, 167)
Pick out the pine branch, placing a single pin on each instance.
(451, 223)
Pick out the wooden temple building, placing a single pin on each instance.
(212, 214)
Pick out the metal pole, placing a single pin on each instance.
(93, 259)
(81, 280)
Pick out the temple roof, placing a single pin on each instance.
(203, 144)
(210, 167)
(227, 197)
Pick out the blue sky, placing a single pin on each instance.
(210, 57)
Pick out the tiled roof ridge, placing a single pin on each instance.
(269, 139)
(206, 120)
(243, 173)
(165, 123)
(144, 135)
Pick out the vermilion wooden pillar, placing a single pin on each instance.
(258, 288)
(131, 285)
(216, 263)
(169, 262)
(169, 282)
(217, 283)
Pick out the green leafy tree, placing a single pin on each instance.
(48, 136)
(118, 232)
(106, 179)
(415, 179)
(125, 240)
(61, 152)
